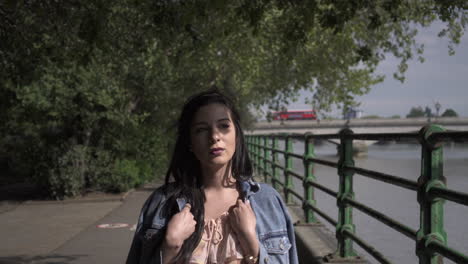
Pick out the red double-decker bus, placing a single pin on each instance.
(295, 115)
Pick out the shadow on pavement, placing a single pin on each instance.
(50, 259)
(306, 255)
(146, 189)
(23, 191)
(20, 192)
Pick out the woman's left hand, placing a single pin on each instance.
(243, 221)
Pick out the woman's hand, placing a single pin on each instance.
(179, 228)
(243, 222)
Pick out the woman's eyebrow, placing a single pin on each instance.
(224, 119)
(206, 123)
(199, 123)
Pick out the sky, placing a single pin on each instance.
(440, 78)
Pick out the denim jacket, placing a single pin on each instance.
(274, 228)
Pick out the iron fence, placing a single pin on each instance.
(430, 239)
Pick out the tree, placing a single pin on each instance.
(449, 113)
(416, 112)
(88, 88)
(371, 117)
(428, 112)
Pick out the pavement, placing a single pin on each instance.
(96, 228)
(99, 227)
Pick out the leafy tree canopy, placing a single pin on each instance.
(371, 117)
(449, 113)
(416, 112)
(259, 50)
(89, 80)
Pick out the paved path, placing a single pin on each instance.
(67, 232)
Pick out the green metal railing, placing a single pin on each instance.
(430, 238)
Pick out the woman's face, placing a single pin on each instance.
(213, 135)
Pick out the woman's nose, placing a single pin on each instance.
(215, 136)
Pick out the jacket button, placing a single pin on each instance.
(281, 245)
(266, 259)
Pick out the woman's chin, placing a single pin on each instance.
(217, 162)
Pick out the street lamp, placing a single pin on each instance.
(437, 107)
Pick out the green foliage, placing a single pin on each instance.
(89, 90)
(395, 117)
(371, 117)
(416, 112)
(119, 176)
(449, 113)
(66, 177)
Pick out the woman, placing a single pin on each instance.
(210, 210)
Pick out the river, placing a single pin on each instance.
(401, 160)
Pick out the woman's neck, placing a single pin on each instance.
(218, 178)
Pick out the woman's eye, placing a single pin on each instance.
(200, 129)
(225, 125)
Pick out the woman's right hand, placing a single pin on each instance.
(180, 227)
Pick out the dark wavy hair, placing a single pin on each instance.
(185, 169)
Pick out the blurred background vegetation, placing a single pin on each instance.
(90, 90)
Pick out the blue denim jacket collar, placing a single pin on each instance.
(247, 189)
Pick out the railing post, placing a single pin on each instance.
(288, 166)
(275, 177)
(266, 164)
(261, 156)
(257, 157)
(345, 213)
(431, 226)
(249, 146)
(309, 177)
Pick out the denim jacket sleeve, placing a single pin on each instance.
(278, 246)
(144, 243)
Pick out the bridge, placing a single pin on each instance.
(357, 125)
(373, 126)
(275, 160)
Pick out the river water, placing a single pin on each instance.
(401, 160)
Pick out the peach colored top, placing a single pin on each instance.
(218, 243)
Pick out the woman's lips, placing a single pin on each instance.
(216, 151)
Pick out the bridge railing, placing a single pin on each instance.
(431, 239)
